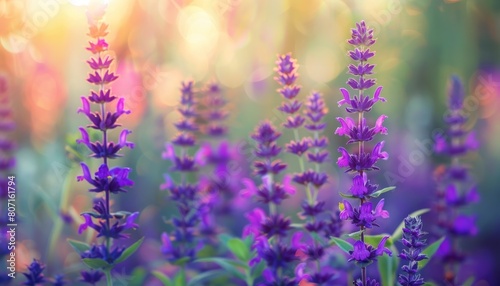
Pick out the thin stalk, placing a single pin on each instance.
(109, 279)
(302, 169)
(56, 232)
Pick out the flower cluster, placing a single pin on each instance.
(313, 148)
(358, 131)
(35, 276)
(106, 180)
(219, 183)
(456, 187)
(414, 241)
(270, 231)
(7, 162)
(182, 243)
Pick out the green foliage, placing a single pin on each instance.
(388, 266)
(165, 280)
(239, 248)
(97, 263)
(78, 246)
(233, 267)
(129, 251)
(344, 245)
(384, 190)
(198, 279)
(430, 250)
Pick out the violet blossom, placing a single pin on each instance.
(107, 180)
(456, 187)
(361, 159)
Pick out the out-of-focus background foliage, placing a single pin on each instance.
(158, 43)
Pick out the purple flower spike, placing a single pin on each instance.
(91, 277)
(414, 242)
(457, 188)
(110, 226)
(182, 243)
(360, 160)
(34, 276)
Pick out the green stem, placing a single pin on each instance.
(109, 279)
(248, 277)
(302, 169)
(58, 226)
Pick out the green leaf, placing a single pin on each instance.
(347, 196)
(430, 251)
(258, 269)
(96, 263)
(398, 233)
(430, 283)
(374, 240)
(120, 214)
(239, 249)
(204, 276)
(137, 277)
(224, 238)
(182, 261)
(206, 251)
(129, 251)
(248, 241)
(78, 246)
(180, 278)
(469, 281)
(344, 245)
(92, 214)
(163, 278)
(356, 235)
(231, 266)
(379, 192)
(388, 266)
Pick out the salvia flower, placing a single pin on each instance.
(35, 276)
(414, 242)
(364, 159)
(456, 188)
(182, 243)
(110, 226)
(270, 230)
(220, 182)
(311, 148)
(91, 277)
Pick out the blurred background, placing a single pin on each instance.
(159, 43)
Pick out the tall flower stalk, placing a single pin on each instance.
(7, 163)
(361, 160)
(312, 251)
(270, 229)
(457, 188)
(107, 181)
(181, 245)
(413, 240)
(219, 181)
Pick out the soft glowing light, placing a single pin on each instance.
(87, 2)
(197, 26)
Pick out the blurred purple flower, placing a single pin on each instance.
(34, 276)
(91, 277)
(456, 187)
(182, 243)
